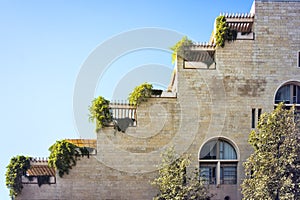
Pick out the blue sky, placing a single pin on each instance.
(43, 45)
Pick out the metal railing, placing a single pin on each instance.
(122, 110)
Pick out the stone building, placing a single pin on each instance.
(216, 97)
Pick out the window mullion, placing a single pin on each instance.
(218, 172)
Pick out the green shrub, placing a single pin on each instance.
(100, 112)
(140, 93)
(178, 48)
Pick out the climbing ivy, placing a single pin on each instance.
(223, 32)
(15, 169)
(64, 155)
(99, 112)
(140, 94)
(178, 48)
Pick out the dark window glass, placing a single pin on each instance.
(253, 118)
(228, 152)
(208, 173)
(259, 114)
(283, 95)
(289, 94)
(218, 149)
(298, 58)
(209, 150)
(228, 175)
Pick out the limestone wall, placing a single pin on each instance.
(90, 179)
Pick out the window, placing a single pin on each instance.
(298, 58)
(218, 162)
(288, 93)
(253, 118)
(259, 114)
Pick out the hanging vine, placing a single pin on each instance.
(223, 32)
(15, 170)
(64, 155)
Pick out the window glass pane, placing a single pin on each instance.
(209, 150)
(228, 152)
(253, 118)
(221, 150)
(208, 173)
(228, 175)
(259, 114)
(298, 94)
(283, 95)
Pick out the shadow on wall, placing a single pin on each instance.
(123, 123)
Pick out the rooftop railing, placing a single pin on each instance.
(123, 111)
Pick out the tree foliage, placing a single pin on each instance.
(173, 181)
(178, 48)
(273, 170)
(15, 169)
(63, 155)
(140, 93)
(99, 112)
(223, 32)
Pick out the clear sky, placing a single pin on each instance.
(43, 45)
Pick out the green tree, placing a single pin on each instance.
(140, 93)
(100, 112)
(173, 181)
(15, 169)
(178, 48)
(273, 170)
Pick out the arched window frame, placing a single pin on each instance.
(217, 170)
(294, 100)
(291, 97)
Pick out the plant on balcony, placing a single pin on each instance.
(15, 169)
(63, 155)
(178, 48)
(100, 112)
(223, 32)
(140, 93)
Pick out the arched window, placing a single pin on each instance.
(289, 93)
(218, 162)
